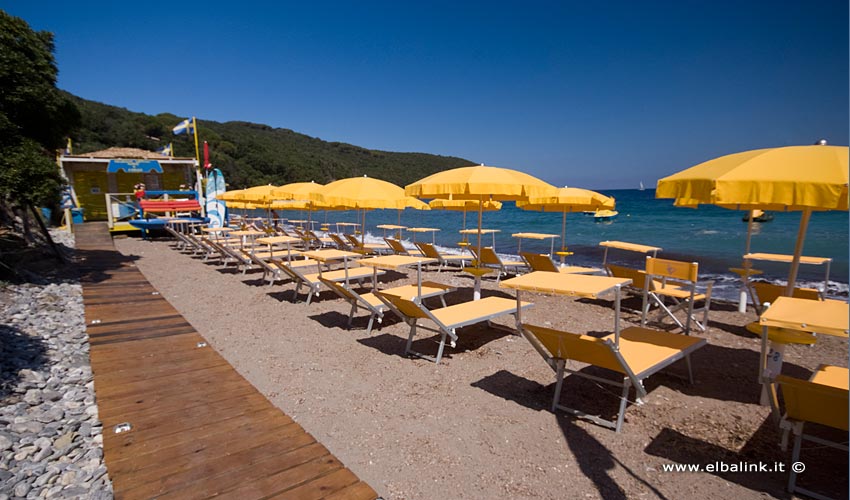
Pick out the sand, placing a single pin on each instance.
(478, 425)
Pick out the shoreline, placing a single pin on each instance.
(478, 424)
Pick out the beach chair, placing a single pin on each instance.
(767, 293)
(313, 283)
(399, 249)
(489, 258)
(443, 260)
(368, 248)
(823, 399)
(340, 243)
(683, 276)
(641, 352)
(370, 302)
(317, 241)
(543, 262)
(273, 270)
(447, 319)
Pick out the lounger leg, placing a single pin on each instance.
(690, 371)
(644, 308)
(351, 315)
(371, 322)
(310, 295)
(440, 349)
(559, 382)
(623, 400)
(795, 457)
(410, 338)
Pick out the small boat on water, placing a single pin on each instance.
(604, 215)
(641, 188)
(758, 216)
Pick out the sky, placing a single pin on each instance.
(600, 95)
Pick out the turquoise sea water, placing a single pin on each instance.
(712, 236)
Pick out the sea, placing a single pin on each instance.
(712, 236)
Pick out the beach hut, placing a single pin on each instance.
(102, 182)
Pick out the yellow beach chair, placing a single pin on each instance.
(683, 276)
(489, 258)
(443, 260)
(767, 293)
(823, 399)
(400, 249)
(447, 319)
(370, 302)
(369, 248)
(312, 282)
(543, 262)
(641, 352)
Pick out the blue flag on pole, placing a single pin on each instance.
(165, 150)
(183, 127)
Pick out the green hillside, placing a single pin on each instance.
(250, 154)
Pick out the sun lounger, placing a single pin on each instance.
(370, 302)
(447, 319)
(368, 248)
(489, 258)
(340, 243)
(543, 262)
(764, 293)
(684, 277)
(312, 282)
(399, 249)
(641, 353)
(443, 260)
(823, 399)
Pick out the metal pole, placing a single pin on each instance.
(798, 251)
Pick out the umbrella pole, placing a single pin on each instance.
(742, 296)
(476, 295)
(563, 238)
(798, 251)
(363, 229)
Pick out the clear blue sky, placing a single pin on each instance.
(588, 94)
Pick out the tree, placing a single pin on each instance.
(34, 115)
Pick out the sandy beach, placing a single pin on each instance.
(478, 425)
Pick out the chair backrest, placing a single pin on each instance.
(539, 262)
(341, 290)
(428, 250)
(353, 240)
(487, 256)
(342, 245)
(812, 402)
(673, 269)
(396, 246)
(637, 276)
(582, 348)
(769, 292)
(405, 306)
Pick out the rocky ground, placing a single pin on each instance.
(50, 435)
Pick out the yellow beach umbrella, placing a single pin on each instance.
(792, 178)
(568, 199)
(295, 191)
(231, 196)
(363, 193)
(480, 183)
(256, 194)
(464, 206)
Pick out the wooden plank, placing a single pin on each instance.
(199, 429)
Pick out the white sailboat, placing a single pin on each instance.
(641, 188)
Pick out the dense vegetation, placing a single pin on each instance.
(250, 154)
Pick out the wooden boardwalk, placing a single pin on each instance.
(198, 429)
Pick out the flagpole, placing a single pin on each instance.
(201, 194)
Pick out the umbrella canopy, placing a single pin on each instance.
(365, 193)
(464, 205)
(235, 195)
(295, 191)
(568, 199)
(256, 194)
(792, 178)
(479, 183)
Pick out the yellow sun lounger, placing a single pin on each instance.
(430, 251)
(767, 293)
(312, 281)
(489, 258)
(370, 302)
(823, 399)
(369, 248)
(400, 249)
(273, 269)
(683, 294)
(447, 319)
(543, 262)
(641, 352)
